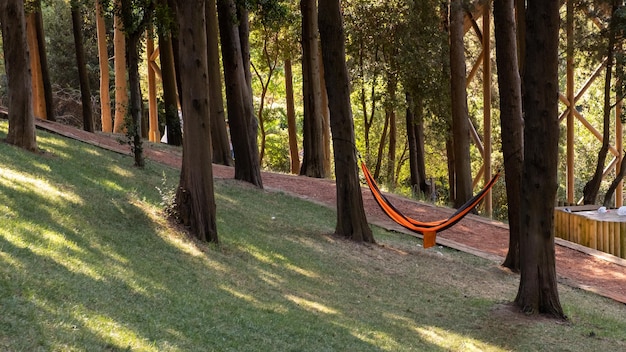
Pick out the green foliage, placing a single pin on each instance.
(60, 44)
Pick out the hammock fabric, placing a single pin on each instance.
(427, 229)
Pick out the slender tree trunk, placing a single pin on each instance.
(83, 77)
(133, 40)
(313, 137)
(103, 60)
(592, 187)
(17, 64)
(239, 102)
(415, 139)
(538, 291)
(219, 133)
(168, 77)
(393, 129)
(121, 88)
(511, 121)
(381, 149)
(460, 123)
(325, 117)
(351, 220)
(195, 198)
(291, 119)
(43, 60)
(39, 100)
(450, 164)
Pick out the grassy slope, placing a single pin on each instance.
(88, 264)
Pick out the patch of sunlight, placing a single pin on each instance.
(377, 338)
(452, 341)
(270, 278)
(174, 237)
(277, 259)
(119, 170)
(117, 335)
(22, 182)
(8, 259)
(64, 252)
(311, 305)
(41, 166)
(240, 295)
(111, 185)
(301, 271)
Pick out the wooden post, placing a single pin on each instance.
(153, 133)
(103, 60)
(622, 251)
(121, 87)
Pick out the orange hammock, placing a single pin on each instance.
(427, 229)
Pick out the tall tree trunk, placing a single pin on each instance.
(219, 133)
(460, 122)
(590, 191)
(511, 121)
(415, 137)
(450, 164)
(17, 64)
(291, 119)
(325, 117)
(133, 41)
(390, 111)
(83, 77)
(381, 149)
(103, 60)
(538, 291)
(608, 197)
(39, 100)
(195, 198)
(238, 100)
(43, 61)
(168, 77)
(619, 92)
(121, 88)
(313, 137)
(351, 220)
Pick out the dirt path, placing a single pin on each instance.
(576, 266)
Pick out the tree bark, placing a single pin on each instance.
(17, 64)
(103, 60)
(460, 122)
(39, 100)
(133, 40)
(168, 77)
(121, 88)
(390, 111)
(313, 136)
(43, 60)
(415, 138)
(219, 133)
(195, 198)
(351, 220)
(538, 285)
(291, 119)
(83, 77)
(238, 99)
(511, 121)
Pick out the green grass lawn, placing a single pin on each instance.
(87, 263)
